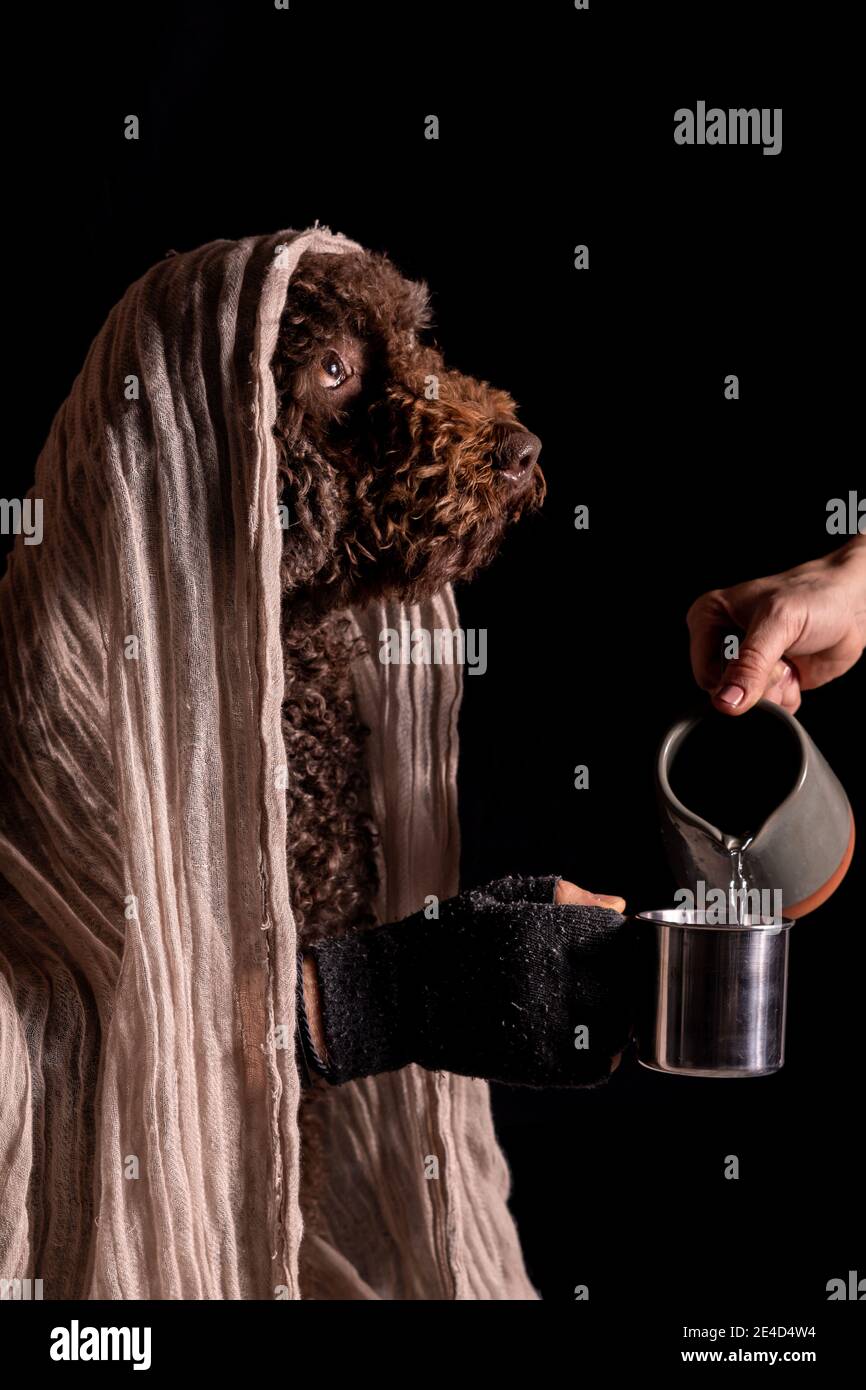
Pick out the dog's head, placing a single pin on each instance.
(398, 474)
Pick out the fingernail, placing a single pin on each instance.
(731, 695)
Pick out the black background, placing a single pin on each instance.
(556, 129)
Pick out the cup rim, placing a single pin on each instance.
(683, 918)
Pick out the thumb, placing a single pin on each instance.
(747, 678)
(567, 892)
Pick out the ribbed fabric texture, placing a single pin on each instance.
(417, 1186)
(149, 1143)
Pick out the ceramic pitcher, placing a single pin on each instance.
(803, 848)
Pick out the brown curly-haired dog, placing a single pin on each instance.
(399, 475)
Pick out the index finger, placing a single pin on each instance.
(709, 621)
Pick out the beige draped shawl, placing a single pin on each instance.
(149, 1139)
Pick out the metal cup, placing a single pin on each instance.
(716, 1003)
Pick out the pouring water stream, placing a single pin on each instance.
(738, 887)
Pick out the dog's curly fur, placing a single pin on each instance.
(391, 485)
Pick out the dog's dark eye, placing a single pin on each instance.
(332, 370)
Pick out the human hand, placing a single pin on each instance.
(802, 628)
(497, 986)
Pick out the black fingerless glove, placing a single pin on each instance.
(505, 985)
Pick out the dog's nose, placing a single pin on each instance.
(518, 453)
